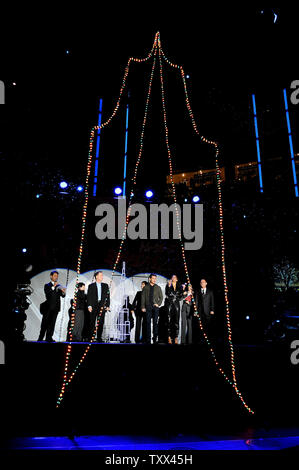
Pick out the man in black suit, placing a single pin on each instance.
(53, 292)
(206, 304)
(151, 299)
(98, 301)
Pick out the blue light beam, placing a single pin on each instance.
(290, 142)
(257, 140)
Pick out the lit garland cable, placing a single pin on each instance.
(221, 229)
(134, 181)
(67, 380)
(69, 347)
(131, 59)
(118, 256)
(218, 178)
(171, 168)
(83, 226)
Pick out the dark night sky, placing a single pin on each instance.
(228, 53)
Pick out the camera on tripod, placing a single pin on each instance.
(21, 303)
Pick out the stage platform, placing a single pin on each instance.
(147, 390)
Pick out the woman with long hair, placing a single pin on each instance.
(187, 314)
(173, 295)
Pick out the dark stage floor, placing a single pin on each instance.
(128, 396)
(259, 439)
(274, 439)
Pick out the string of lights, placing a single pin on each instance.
(67, 380)
(170, 165)
(124, 81)
(221, 230)
(83, 227)
(156, 46)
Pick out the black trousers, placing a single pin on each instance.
(186, 324)
(48, 325)
(151, 313)
(173, 319)
(92, 321)
(78, 325)
(140, 326)
(206, 320)
(208, 325)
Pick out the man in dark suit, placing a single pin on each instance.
(98, 302)
(151, 299)
(53, 292)
(206, 304)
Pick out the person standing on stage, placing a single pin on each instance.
(206, 304)
(53, 292)
(187, 316)
(139, 314)
(173, 293)
(151, 299)
(79, 312)
(98, 301)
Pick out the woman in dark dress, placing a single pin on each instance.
(79, 314)
(173, 294)
(187, 315)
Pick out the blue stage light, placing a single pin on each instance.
(80, 189)
(24, 250)
(293, 163)
(118, 190)
(259, 163)
(63, 184)
(37, 196)
(196, 199)
(149, 194)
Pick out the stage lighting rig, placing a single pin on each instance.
(149, 194)
(118, 191)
